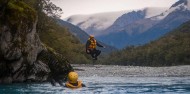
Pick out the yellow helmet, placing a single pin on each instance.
(73, 77)
(91, 36)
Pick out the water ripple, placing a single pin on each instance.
(108, 85)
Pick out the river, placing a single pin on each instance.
(107, 79)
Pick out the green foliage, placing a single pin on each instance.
(19, 17)
(172, 49)
(19, 10)
(21, 14)
(63, 42)
(46, 10)
(46, 7)
(54, 36)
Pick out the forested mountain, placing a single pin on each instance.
(95, 23)
(62, 41)
(83, 36)
(135, 27)
(171, 49)
(57, 37)
(102, 23)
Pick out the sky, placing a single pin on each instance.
(75, 7)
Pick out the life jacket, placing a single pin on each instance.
(92, 44)
(69, 85)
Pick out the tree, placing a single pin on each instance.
(47, 13)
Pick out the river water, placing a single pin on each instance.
(106, 84)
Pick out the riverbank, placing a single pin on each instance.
(85, 70)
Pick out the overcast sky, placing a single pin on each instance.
(73, 7)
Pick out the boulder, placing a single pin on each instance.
(20, 47)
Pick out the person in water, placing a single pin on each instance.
(73, 81)
(91, 47)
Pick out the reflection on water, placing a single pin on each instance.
(109, 85)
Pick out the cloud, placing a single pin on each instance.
(72, 7)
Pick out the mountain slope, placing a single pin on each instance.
(63, 42)
(171, 49)
(83, 36)
(182, 5)
(94, 23)
(98, 24)
(169, 23)
(140, 26)
(131, 18)
(142, 31)
(76, 31)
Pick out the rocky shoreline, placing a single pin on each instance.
(131, 71)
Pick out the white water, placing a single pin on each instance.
(102, 79)
(108, 85)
